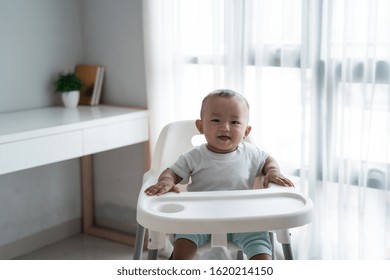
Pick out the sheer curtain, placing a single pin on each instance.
(350, 164)
(316, 74)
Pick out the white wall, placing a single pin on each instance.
(112, 33)
(39, 39)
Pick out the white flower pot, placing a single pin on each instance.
(71, 98)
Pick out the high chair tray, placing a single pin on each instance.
(225, 211)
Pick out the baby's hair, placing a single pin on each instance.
(228, 93)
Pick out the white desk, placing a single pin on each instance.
(37, 137)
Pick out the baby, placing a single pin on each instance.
(225, 162)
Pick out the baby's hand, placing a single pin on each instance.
(161, 188)
(166, 183)
(276, 177)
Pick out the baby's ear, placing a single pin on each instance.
(247, 130)
(199, 126)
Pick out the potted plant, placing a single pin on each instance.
(69, 85)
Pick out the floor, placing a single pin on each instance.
(82, 247)
(86, 247)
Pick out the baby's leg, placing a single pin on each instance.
(256, 245)
(261, 257)
(184, 249)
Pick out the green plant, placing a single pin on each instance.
(68, 82)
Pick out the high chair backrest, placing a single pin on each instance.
(174, 139)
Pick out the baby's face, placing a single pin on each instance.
(224, 123)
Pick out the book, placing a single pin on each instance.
(98, 87)
(92, 78)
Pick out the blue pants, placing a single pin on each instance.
(252, 243)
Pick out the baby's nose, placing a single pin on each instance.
(225, 126)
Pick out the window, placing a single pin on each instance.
(267, 50)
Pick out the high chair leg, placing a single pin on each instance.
(272, 239)
(139, 243)
(152, 254)
(287, 252)
(284, 237)
(240, 255)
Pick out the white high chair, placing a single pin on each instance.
(217, 213)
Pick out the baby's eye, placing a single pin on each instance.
(215, 120)
(235, 122)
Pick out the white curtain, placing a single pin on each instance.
(316, 74)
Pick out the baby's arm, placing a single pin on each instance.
(272, 173)
(166, 183)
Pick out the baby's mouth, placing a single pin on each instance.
(224, 137)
